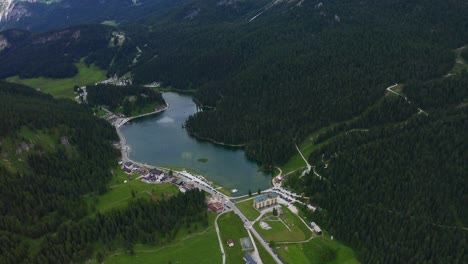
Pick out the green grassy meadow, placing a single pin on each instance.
(120, 194)
(307, 147)
(290, 229)
(320, 250)
(248, 210)
(264, 255)
(63, 88)
(231, 227)
(460, 64)
(200, 246)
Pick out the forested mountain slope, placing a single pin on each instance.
(296, 67)
(43, 15)
(394, 176)
(54, 152)
(273, 71)
(396, 189)
(50, 54)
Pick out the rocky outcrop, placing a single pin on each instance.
(15, 9)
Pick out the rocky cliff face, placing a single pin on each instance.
(5, 8)
(15, 10)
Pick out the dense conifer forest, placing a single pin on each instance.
(397, 192)
(392, 168)
(50, 54)
(274, 80)
(42, 197)
(130, 97)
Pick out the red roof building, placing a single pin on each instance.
(230, 242)
(216, 207)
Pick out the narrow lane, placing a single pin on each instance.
(220, 239)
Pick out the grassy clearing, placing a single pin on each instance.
(264, 255)
(307, 147)
(231, 227)
(14, 156)
(99, 111)
(460, 64)
(111, 23)
(119, 195)
(290, 229)
(248, 210)
(63, 88)
(319, 250)
(199, 247)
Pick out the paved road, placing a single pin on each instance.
(406, 98)
(309, 167)
(202, 185)
(219, 239)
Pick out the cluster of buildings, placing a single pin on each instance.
(129, 167)
(115, 80)
(114, 119)
(154, 176)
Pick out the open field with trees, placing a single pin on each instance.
(63, 88)
(119, 195)
(286, 227)
(320, 250)
(198, 246)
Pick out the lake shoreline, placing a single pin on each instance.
(161, 139)
(215, 142)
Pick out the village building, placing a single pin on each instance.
(128, 165)
(127, 170)
(189, 186)
(316, 228)
(179, 182)
(248, 259)
(265, 200)
(246, 244)
(230, 242)
(156, 172)
(155, 176)
(216, 207)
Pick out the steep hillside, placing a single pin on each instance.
(51, 54)
(396, 189)
(49, 159)
(296, 67)
(42, 15)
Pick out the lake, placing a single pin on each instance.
(160, 140)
